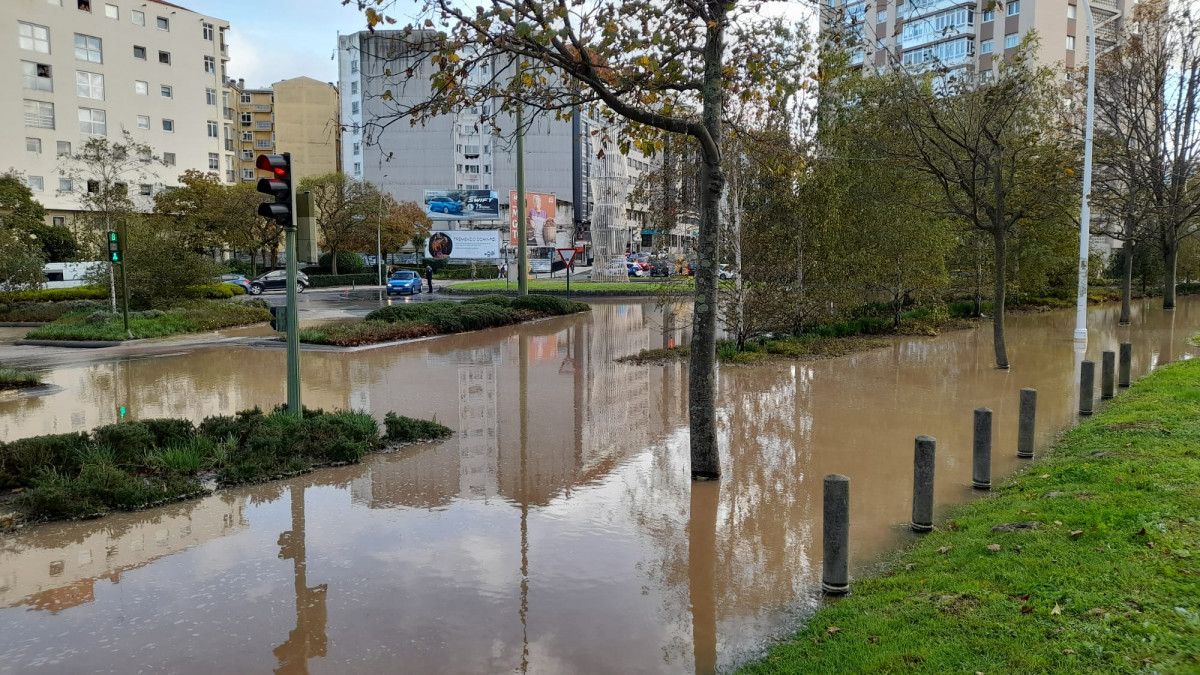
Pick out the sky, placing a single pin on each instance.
(311, 28)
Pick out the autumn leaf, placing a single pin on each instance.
(1026, 609)
(945, 549)
(1075, 533)
(1057, 609)
(1058, 522)
(832, 629)
(1068, 652)
(993, 547)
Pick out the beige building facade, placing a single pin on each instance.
(78, 69)
(253, 127)
(306, 125)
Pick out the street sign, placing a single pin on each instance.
(567, 255)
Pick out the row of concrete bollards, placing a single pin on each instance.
(835, 572)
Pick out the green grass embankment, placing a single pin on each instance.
(137, 464)
(439, 317)
(1109, 581)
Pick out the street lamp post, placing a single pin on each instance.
(379, 237)
(1085, 212)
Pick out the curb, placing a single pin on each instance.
(22, 324)
(74, 344)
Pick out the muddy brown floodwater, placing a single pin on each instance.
(556, 532)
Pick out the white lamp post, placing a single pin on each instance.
(379, 235)
(1085, 212)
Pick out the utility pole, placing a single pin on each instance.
(1085, 212)
(522, 225)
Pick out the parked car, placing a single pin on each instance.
(235, 280)
(404, 282)
(661, 268)
(444, 205)
(726, 272)
(617, 269)
(634, 269)
(277, 281)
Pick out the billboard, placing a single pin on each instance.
(464, 245)
(541, 218)
(462, 205)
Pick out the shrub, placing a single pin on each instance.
(101, 316)
(327, 280)
(182, 460)
(48, 311)
(21, 460)
(126, 439)
(548, 304)
(498, 300)
(211, 292)
(58, 294)
(347, 262)
(168, 432)
(401, 429)
(353, 333)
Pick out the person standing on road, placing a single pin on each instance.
(429, 276)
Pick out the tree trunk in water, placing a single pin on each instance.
(998, 302)
(702, 410)
(1169, 262)
(897, 309)
(1126, 282)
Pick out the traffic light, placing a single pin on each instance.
(279, 318)
(279, 187)
(115, 254)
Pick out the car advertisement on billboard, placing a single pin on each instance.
(541, 218)
(464, 245)
(462, 205)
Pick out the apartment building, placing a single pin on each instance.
(461, 151)
(299, 116)
(86, 68)
(970, 34)
(254, 127)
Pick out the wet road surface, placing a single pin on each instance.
(556, 532)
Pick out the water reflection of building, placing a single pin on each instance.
(478, 422)
(59, 567)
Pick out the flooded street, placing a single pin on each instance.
(556, 532)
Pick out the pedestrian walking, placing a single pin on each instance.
(429, 276)
(472, 271)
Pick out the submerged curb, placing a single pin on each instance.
(74, 344)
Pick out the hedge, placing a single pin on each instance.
(327, 280)
(457, 272)
(212, 292)
(57, 294)
(347, 262)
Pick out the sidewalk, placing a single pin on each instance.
(1108, 580)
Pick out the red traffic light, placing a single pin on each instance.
(277, 164)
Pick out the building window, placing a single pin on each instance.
(88, 48)
(64, 185)
(139, 18)
(247, 174)
(64, 149)
(1070, 43)
(93, 187)
(33, 145)
(354, 108)
(985, 47)
(84, 5)
(112, 12)
(263, 144)
(247, 119)
(92, 121)
(248, 155)
(989, 15)
(145, 189)
(247, 136)
(245, 98)
(210, 96)
(358, 168)
(214, 161)
(164, 57)
(354, 66)
(881, 16)
(208, 31)
(357, 148)
(143, 121)
(139, 52)
(1011, 40)
(36, 183)
(210, 64)
(166, 91)
(89, 85)
(163, 23)
(39, 114)
(213, 131)
(1013, 7)
(141, 88)
(354, 87)
(36, 76)
(169, 126)
(169, 158)
(33, 37)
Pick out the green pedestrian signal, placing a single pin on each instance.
(114, 256)
(122, 411)
(114, 248)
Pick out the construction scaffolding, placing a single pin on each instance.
(611, 229)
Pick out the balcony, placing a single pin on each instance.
(263, 145)
(39, 121)
(259, 107)
(228, 113)
(262, 126)
(228, 145)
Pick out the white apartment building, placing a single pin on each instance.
(81, 68)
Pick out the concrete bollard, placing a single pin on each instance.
(835, 573)
(981, 475)
(1126, 358)
(923, 462)
(1025, 423)
(1108, 364)
(1087, 387)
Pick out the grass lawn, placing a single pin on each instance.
(1108, 582)
(195, 316)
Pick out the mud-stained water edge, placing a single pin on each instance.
(556, 532)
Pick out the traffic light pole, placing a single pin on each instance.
(124, 279)
(293, 321)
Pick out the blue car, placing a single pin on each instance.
(403, 282)
(235, 280)
(444, 205)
